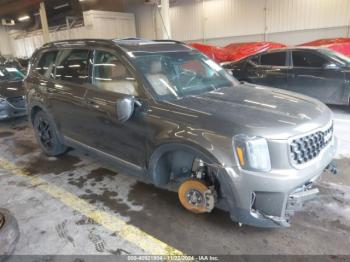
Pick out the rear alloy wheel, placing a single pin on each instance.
(47, 135)
(195, 196)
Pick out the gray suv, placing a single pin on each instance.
(164, 112)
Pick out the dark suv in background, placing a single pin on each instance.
(163, 111)
(317, 72)
(12, 102)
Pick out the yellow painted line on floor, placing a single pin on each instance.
(128, 232)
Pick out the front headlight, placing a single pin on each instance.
(252, 152)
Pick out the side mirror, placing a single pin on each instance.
(330, 66)
(126, 108)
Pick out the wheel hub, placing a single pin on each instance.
(45, 133)
(194, 197)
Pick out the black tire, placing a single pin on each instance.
(47, 135)
(9, 234)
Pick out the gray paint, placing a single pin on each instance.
(199, 125)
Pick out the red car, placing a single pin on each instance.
(235, 51)
(341, 45)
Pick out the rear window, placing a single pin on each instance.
(46, 64)
(73, 66)
(273, 59)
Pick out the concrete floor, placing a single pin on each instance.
(49, 225)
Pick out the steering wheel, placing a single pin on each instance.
(192, 75)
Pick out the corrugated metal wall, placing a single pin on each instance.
(98, 24)
(198, 19)
(290, 15)
(24, 46)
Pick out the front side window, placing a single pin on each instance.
(307, 59)
(173, 75)
(73, 66)
(46, 64)
(273, 59)
(110, 74)
(11, 73)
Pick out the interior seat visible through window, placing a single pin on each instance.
(158, 79)
(112, 75)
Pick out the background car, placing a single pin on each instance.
(12, 103)
(341, 44)
(317, 72)
(235, 51)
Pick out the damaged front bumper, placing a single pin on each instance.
(271, 199)
(294, 203)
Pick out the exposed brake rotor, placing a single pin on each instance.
(196, 196)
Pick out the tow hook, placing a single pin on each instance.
(332, 167)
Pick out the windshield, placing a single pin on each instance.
(339, 57)
(174, 75)
(11, 73)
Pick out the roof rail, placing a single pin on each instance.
(169, 41)
(129, 39)
(72, 41)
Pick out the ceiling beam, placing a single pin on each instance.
(15, 6)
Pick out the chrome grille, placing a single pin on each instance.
(308, 147)
(17, 102)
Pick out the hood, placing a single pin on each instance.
(12, 89)
(256, 110)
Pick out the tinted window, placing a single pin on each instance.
(46, 65)
(274, 59)
(110, 74)
(307, 59)
(73, 66)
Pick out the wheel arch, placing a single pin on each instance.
(36, 107)
(172, 157)
(33, 111)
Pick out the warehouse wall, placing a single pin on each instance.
(144, 18)
(289, 21)
(225, 21)
(289, 37)
(97, 24)
(5, 43)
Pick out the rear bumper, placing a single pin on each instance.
(271, 199)
(10, 110)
